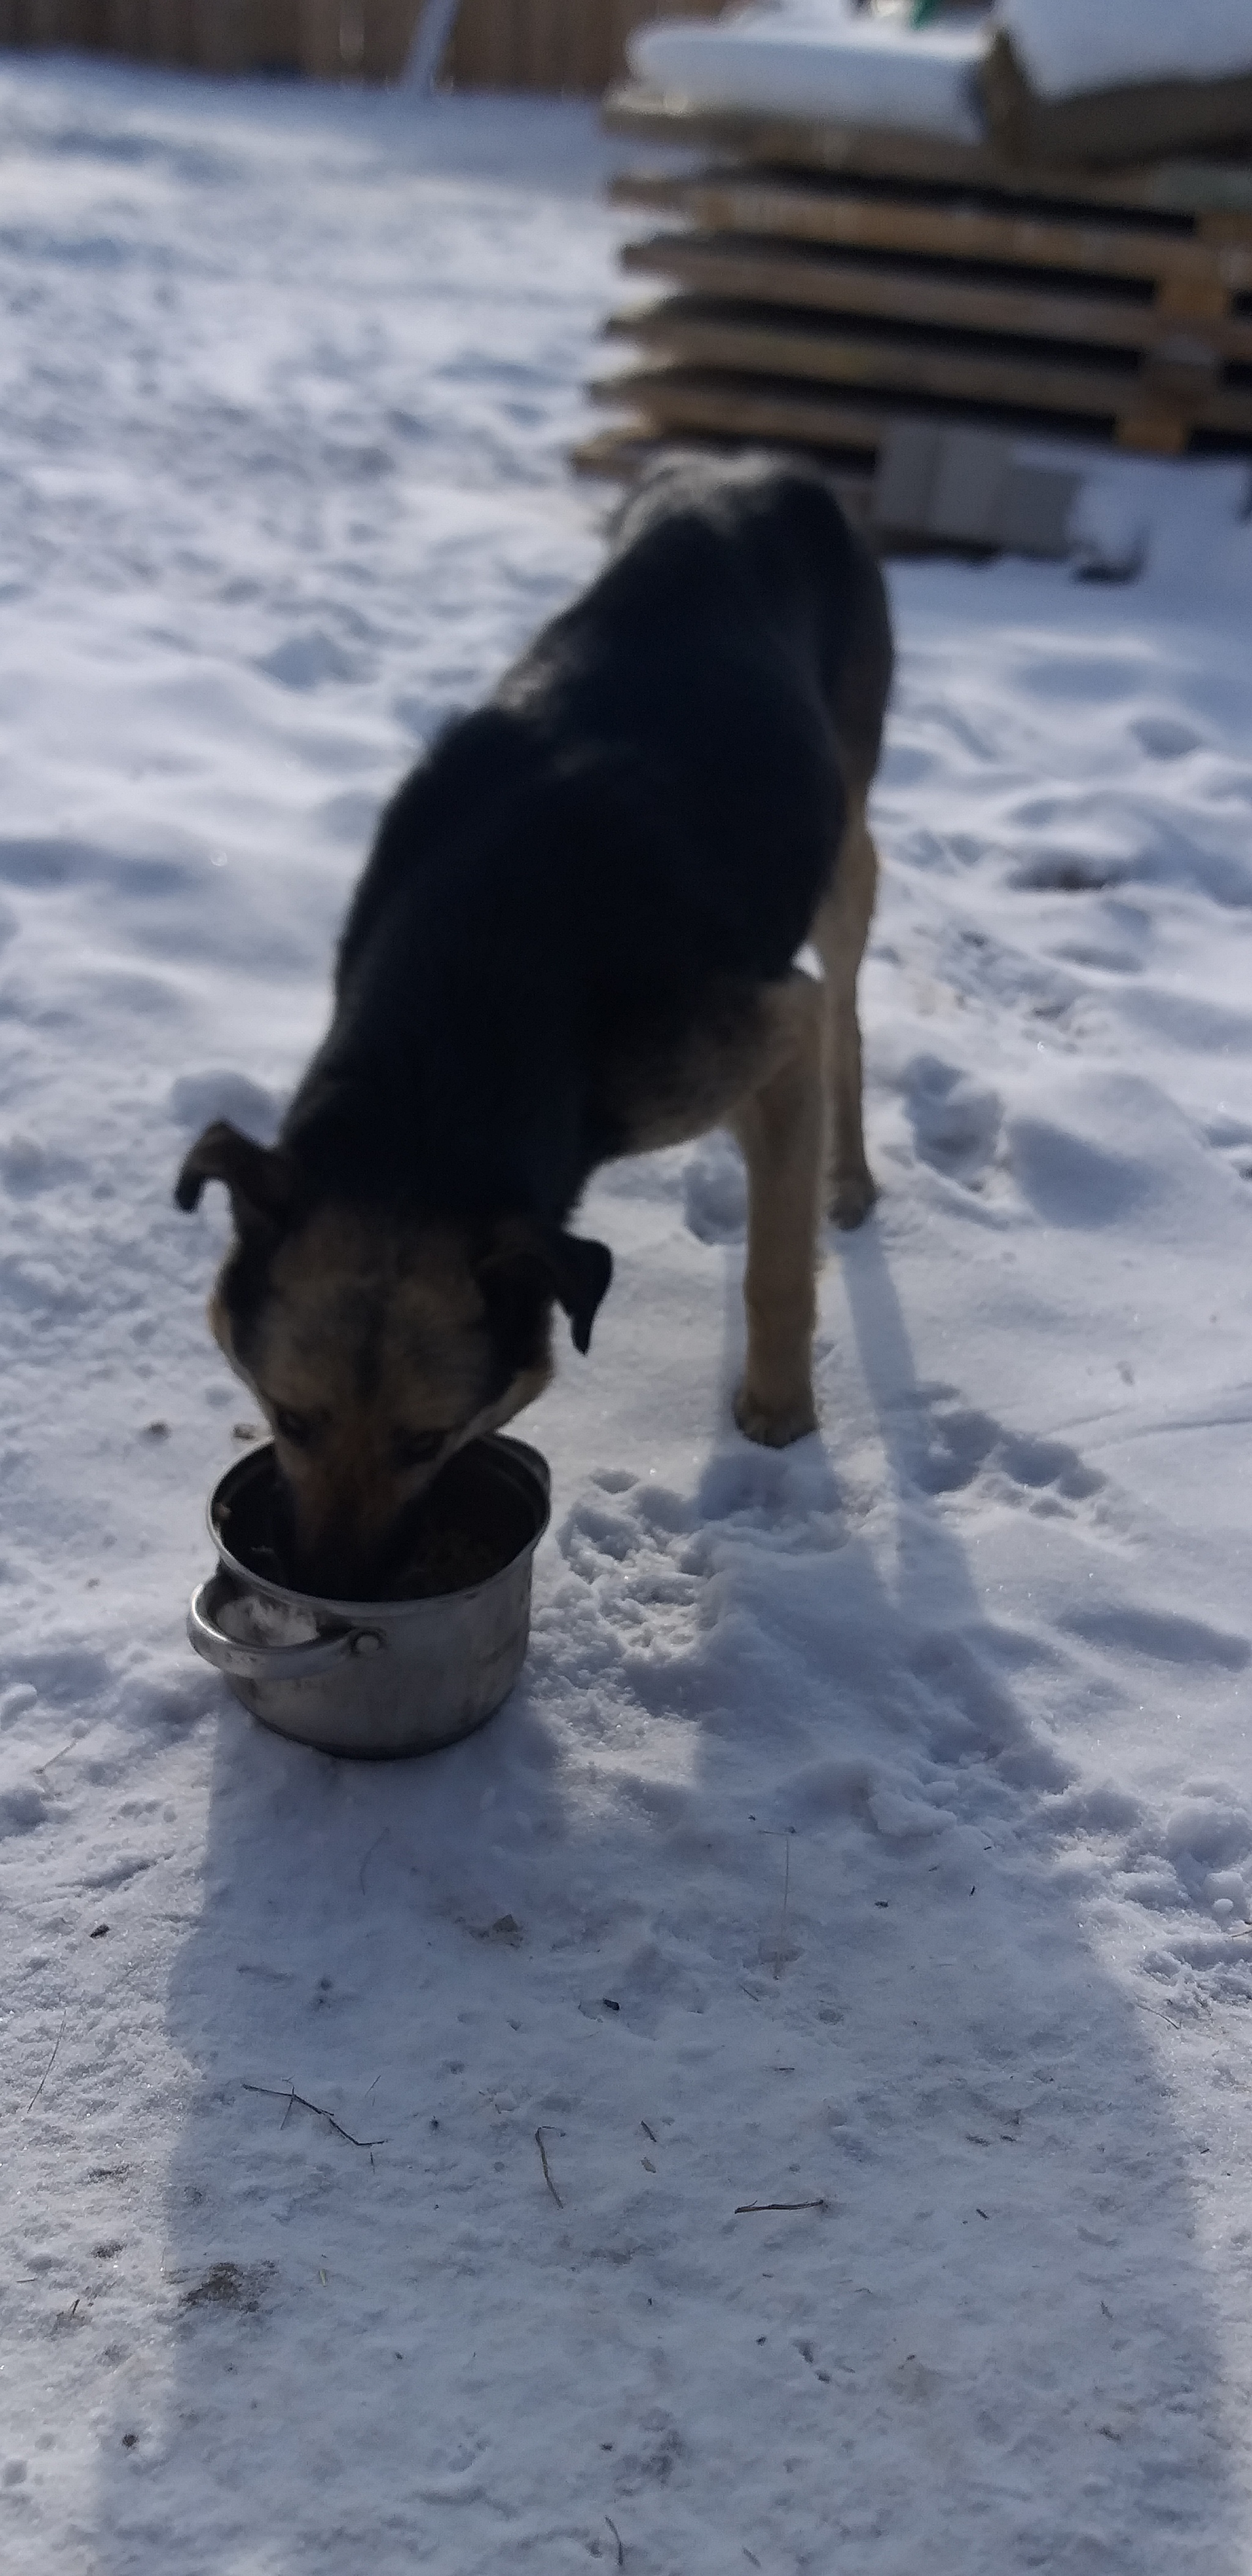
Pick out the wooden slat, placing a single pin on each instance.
(171, 31)
(684, 398)
(727, 202)
(686, 402)
(754, 343)
(320, 57)
(1182, 187)
(748, 272)
(226, 35)
(552, 45)
(388, 35)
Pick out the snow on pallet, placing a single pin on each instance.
(830, 283)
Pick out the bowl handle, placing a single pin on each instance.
(270, 1663)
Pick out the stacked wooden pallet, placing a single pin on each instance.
(828, 284)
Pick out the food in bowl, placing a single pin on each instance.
(465, 1530)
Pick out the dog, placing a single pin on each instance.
(575, 939)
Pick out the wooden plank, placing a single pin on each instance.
(548, 55)
(125, 29)
(684, 398)
(726, 202)
(552, 45)
(482, 53)
(753, 341)
(683, 401)
(1181, 187)
(1151, 432)
(224, 35)
(761, 273)
(387, 32)
(319, 40)
(172, 31)
(50, 23)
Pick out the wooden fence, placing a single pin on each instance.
(550, 45)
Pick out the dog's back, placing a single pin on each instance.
(650, 807)
(776, 538)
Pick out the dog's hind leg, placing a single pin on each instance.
(781, 1128)
(840, 931)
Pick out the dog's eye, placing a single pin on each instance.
(295, 1427)
(416, 1448)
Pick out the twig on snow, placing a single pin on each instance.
(547, 2175)
(378, 1838)
(288, 2094)
(754, 2208)
(51, 2062)
(621, 2554)
(67, 1747)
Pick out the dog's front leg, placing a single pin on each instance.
(781, 1129)
(840, 932)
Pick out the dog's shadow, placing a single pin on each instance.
(706, 1923)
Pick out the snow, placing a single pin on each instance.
(873, 1826)
(815, 60)
(1066, 46)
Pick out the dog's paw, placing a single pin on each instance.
(774, 1426)
(851, 1198)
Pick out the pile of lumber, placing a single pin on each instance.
(826, 285)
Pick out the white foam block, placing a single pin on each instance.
(819, 64)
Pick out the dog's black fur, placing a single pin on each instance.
(644, 821)
(607, 864)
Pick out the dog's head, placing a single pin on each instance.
(377, 1343)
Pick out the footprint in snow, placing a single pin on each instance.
(956, 1448)
(305, 661)
(1066, 872)
(955, 1118)
(1165, 737)
(644, 1553)
(1231, 1139)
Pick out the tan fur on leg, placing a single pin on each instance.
(839, 934)
(781, 1129)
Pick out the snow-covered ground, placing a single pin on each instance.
(872, 1827)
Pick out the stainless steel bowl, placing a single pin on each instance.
(374, 1678)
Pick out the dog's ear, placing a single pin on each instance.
(259, 1177)
(580, 1270)
(570, 1267)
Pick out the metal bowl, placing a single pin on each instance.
(379, 1678)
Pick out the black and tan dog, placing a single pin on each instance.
(574, 940)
